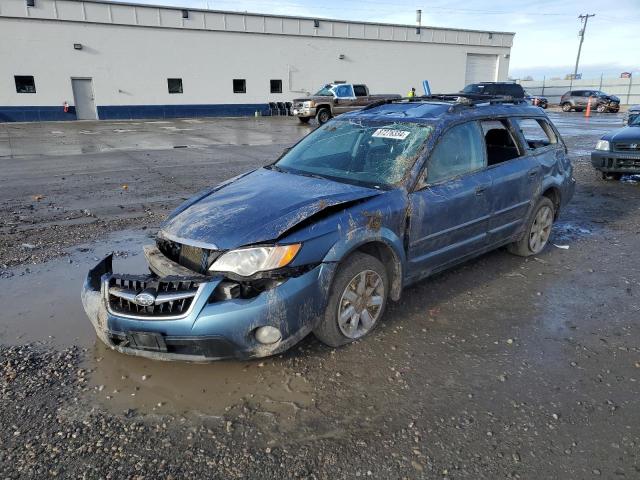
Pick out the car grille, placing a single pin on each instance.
(627, 147)
(194, 258)
(298, 105)
(169, 298)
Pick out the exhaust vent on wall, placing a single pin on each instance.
(31, 3)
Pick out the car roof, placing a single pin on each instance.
(447, 112)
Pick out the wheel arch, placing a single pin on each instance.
(385, 246)
(553, 193)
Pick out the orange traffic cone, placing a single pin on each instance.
(587, 112)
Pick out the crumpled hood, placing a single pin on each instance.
(627, 134)
(258, 207)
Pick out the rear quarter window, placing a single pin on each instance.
(537, 132)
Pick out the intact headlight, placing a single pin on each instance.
(248, 261)
(309, 104)
(602, 145)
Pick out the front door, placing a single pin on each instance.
(345, 99)
(83, 98)
(450, 209)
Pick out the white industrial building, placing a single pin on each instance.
(114, 60)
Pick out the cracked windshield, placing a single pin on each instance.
(374, 154)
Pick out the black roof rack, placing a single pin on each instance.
(456, 100)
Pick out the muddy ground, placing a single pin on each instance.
(500, 368)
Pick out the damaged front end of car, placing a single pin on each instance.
(175, 313)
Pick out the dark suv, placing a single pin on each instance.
(508, 89)
(577, 100)
(319, 240)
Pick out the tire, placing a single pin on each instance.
(323, 116)
(601, 108)
(344, 297)
(566, 107)
(304, 120)
(540, 223)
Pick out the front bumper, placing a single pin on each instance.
(616, 162)
(304, 112)
(213, 329)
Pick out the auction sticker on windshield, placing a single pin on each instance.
(388, 133)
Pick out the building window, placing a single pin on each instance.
(25, 84)
(276, 86)
(175, 85)
(239, 85)
(185, 13)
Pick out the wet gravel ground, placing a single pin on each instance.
(501, 368)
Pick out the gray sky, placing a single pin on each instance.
(546, 39)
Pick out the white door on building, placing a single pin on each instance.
(481, 68)
(83, 99)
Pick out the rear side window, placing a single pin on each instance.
(459, 151)
(360, 90)
(537, 132)
(499, 142)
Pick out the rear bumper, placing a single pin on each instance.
(213, 330)
(616, 162)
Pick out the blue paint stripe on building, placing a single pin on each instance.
(130, 112)
(36, 114)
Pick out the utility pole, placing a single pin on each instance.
(583, 19)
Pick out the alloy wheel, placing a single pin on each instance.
(541, 229)
(361, 304)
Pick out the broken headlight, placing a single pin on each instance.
(602, 145)
(249, 261)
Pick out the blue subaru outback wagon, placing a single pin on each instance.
(322, 238)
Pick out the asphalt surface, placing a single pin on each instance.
(501, 368)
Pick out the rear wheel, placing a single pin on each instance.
(357, 300)
(566, 107)
(324, 115)
(537, 231)
(304, 120)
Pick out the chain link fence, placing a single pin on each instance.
(627, 89)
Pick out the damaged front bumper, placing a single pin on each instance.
(193, 317)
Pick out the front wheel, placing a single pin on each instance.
(324, 115)
(356, 302)
(566, 107)
(601, 108)
(537, 231)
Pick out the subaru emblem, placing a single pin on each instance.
(144, 299)
(634, 146)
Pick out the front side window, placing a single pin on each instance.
(537, 133)
(25, 84)
(374, 154)
(174, 85)
(459, 151)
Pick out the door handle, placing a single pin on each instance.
(480, 190)
(533, 172)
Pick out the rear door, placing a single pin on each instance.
(515, 175)
(362, 95)
(449, 207)
(345, 100)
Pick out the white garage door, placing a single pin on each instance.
(481, 68)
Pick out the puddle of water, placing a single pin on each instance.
(121, 382)
(43, 302)
(564, 232)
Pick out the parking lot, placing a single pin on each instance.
(503, 367)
